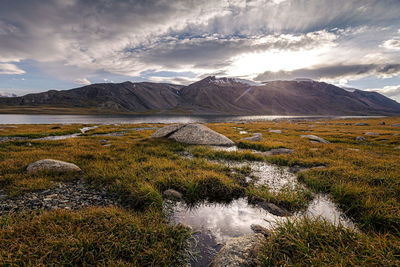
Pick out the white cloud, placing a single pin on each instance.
(392, 44)
(11, 69)
(83, 81)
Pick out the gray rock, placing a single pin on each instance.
(371, 133)
(167, 130)
(361, 124)
(273, 209)
(360, 138)
(353, 149)
(171, 193)
(315, 138)
(276, 151)
(275, 131)
(258, 229)
(52, 166)
(239, 251)
(197, 134)
(256, 137)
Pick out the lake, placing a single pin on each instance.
(131, 119)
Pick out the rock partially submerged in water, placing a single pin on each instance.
(256, 137)
(315, 138)
(193, 134)
(273, 209)
(171, 193)
(239, 251)
(52, 165)
(258, 229)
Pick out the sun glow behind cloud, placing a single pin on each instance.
(275, 60)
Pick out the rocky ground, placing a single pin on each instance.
(71, 195)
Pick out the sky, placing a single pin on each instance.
(63, 44)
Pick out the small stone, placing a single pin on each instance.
(353, 149)
(258, 229)
(275, 131)
(256, 137)
(53, 166)
(171, 193)
(273, 209)
(360, 138)
(315, 139)
(239, 251)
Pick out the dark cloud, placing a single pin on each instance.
(333, 72)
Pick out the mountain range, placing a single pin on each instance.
(214, 96)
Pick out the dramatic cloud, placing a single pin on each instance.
(188, 39)
(7, 68)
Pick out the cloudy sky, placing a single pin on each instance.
(61, 44)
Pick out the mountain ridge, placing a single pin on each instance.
(213, 95)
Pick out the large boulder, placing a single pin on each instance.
(167, 130)
(315, 138)
(239, 251)
(193, 134)
(52, 165)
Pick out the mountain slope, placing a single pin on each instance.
(125, 97)
(216, 96)
(284, 97)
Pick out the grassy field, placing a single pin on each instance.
(362, 177)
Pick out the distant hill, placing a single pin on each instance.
(215, 96)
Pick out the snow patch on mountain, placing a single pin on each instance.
(232, 81)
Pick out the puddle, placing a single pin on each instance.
(216, 223)
(67, 136)
(113, 134)
(138, 129)
(323, 207)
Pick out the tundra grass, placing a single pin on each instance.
(363, 178)
(318, 243)
(91, 237)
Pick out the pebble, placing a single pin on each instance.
(70, 195)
